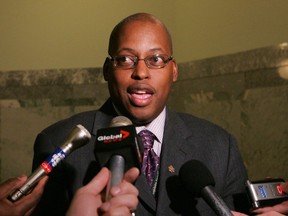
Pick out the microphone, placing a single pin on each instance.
(78, 137)
(118, 148)
(198, 180)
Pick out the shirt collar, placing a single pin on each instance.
(156, 126)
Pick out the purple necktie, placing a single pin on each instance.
(150, 158)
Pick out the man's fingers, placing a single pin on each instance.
(10, 185)
(126, 186)
(281, 208)
(128, 200)
(39, 189)
(131, 175)
(238, 213)
(29, 202)
(123, 211)
(97, 184)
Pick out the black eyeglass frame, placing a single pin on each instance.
(165, 58)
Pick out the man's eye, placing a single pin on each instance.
(122, 59)
(156, 59)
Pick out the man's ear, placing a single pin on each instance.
(106, 68)
(175, 71)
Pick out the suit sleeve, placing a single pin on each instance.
(236, 177)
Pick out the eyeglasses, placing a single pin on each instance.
(151, 61)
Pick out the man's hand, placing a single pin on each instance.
(24, 206)
(280, 208)
(276, 210)
(88, 199)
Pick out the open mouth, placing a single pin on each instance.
(141, 96)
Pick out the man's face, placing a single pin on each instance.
(141, 93)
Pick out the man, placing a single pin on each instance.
(140, 71)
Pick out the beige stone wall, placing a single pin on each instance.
(246, 93)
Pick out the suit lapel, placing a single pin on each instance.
(145, 194)
(173, 155)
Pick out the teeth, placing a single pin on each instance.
(140, 92)
(141, 96)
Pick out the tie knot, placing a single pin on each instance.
(147, 138)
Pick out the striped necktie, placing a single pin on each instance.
(150, 158)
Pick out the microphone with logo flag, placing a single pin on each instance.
(117, 147)
(78, 137)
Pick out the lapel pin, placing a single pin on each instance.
(171, 169)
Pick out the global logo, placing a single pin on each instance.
(114, 137)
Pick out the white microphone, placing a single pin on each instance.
(78, 137)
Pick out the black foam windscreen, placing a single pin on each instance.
(195, 176)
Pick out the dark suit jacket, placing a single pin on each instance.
(185, 137)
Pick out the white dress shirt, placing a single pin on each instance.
(156, 127)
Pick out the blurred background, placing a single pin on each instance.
(233, 65)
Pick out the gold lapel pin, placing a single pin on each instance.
(171, 169)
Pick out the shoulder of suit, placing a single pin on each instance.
(84, 118)
(198, 123)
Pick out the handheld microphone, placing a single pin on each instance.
(118, 148)
(78, 137)
(198, 180)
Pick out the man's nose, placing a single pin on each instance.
(141, 71)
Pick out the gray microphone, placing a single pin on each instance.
(118, 148)
(78, 137)
(117, 161)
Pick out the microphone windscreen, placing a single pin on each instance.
(195, 176)
(119, 121)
